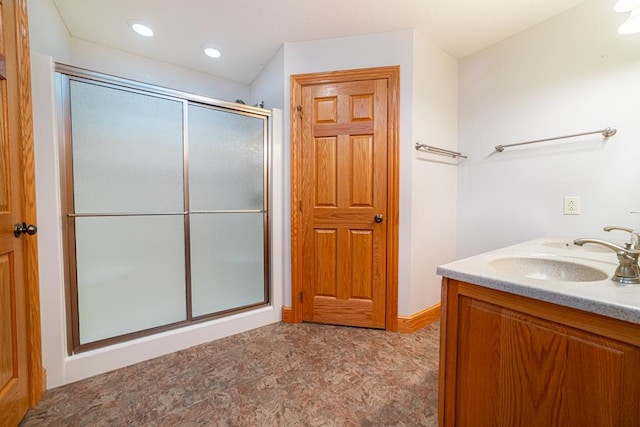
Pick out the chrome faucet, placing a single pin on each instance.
(628, 271)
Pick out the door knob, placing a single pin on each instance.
(378, 218)
(23, 228)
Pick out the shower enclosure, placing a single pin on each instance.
(165, 207)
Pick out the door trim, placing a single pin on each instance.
(392, 75)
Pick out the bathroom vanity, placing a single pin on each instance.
(537, 334)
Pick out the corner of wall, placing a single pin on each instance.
(48, 34)
(433, 178)
(268, 86)
(49, 218)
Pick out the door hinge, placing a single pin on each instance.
(299, 110)
(300, 205)
(301, 298)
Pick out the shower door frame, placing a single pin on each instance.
(64, 74)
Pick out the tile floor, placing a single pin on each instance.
(277, 375)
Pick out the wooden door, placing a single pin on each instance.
(344, 202)
(21, 377)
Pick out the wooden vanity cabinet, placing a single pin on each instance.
(508, 360)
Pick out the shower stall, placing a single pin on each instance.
(165, 202)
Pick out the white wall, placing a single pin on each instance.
(96, 57)
(50, 262)
(418, 286)
(433, 178)
(570, 74)
(269, 85)
(47, 31)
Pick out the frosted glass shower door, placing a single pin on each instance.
(226, 210)
(164, 207)
(128, 210)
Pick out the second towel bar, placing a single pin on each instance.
(606, 132)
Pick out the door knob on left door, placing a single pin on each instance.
(23, 228)
(378, 218)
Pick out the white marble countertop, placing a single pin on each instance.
(604, 296)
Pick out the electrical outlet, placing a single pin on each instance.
(572, 205)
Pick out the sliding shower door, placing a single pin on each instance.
(127, 166)
(165, 208)
(227, 209)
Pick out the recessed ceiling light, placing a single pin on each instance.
(141, 29)
(212, 52)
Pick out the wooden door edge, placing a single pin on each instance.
(393, 194)
(36, 373)
(296, 225)
(297, 81)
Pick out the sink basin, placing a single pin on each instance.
(548, 269)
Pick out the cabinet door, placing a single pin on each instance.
(513, 369)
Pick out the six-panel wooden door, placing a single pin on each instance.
(344, 202)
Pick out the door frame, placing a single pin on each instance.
(298, 81)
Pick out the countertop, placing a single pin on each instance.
(604, 297)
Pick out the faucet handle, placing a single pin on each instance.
(635, 235)
(618, 227)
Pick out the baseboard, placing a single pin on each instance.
(409, 324)
(287, 314)
(406, 324)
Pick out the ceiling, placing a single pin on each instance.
(250, 32)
